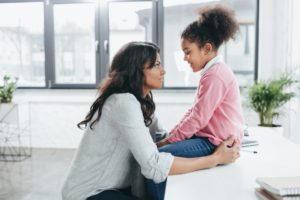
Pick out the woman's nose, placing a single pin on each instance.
(163, 71)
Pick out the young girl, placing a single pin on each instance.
(117, 140)
(216, 113)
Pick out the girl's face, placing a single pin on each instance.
(154, 76)
(196, 57)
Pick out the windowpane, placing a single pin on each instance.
(239, 54)
(74, 33)
(129, 21)
(22, 42)
(177, 15)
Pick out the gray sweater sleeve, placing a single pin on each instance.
(130, 122)
(156, 130)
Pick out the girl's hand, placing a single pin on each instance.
(227, 152)
(162, 142)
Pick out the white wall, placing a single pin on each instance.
(279, 47)
(53, 114)
(276, 24)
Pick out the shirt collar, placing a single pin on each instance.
(217, 59)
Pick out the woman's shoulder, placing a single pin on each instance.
(123, 101)
(124, 108)
(122, 98)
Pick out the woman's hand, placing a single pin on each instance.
(162, 142)
(227, 152)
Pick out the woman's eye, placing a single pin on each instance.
(157, 65)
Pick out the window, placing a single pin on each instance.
(22, 42)
(73, 46)
(129, 21)
(239, 54)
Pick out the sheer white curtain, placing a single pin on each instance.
(279, 51)
(293, 65)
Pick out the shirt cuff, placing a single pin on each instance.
(173, 139)
(161, 164)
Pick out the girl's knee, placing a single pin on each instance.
(166, 148)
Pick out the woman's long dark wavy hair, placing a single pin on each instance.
(126, 75)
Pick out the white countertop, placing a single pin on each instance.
(276, 156)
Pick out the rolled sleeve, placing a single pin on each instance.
(160, 165)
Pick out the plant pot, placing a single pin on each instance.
(5, 101)
(274, 129)
(271, 126)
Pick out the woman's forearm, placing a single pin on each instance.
(225, 153)
(185, 165)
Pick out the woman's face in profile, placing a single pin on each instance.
(154, 76)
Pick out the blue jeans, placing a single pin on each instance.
(193, 147)
(123, 194)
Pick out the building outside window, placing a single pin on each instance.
(239, 54)
(75, 44)
(74, 36)
(22, 42)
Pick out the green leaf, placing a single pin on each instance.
(265, 97)
(7, 90)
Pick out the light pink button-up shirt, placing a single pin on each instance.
(217, 111)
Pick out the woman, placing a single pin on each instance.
(117, 139)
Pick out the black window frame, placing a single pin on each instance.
(102, 38)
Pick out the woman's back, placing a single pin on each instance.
(105, 159)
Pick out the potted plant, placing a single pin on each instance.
(267, 96)
(8, 88)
